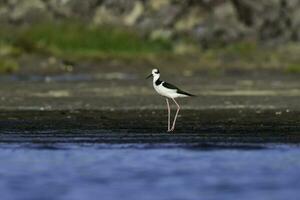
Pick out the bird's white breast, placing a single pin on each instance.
(166, 92)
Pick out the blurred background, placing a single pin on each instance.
(66, 36)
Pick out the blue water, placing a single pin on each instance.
(145, 173)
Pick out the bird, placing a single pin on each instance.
(168, 91)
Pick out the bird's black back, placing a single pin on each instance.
(170, 86)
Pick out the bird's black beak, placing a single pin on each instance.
(149, 76)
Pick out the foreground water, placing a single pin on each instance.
(162, 172)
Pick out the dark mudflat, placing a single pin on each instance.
(149, 126)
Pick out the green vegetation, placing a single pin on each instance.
(75, 41)
(79, 40)
(8, 54)
(293, 68)
(8, 65)
(82, 41)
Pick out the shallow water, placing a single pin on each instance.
(131, 171)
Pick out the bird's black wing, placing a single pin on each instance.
(173, 87)
(170, 86)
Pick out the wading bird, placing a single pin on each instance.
(170, 92)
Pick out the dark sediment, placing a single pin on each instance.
(148, 126)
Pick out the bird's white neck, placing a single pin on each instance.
(155, 77)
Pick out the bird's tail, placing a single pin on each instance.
(192, 95)
(186, 93)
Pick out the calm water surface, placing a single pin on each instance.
(139, 172)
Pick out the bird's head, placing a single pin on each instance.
(155, 73)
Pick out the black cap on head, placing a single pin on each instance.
(156, 71)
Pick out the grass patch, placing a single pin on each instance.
(8, 65)
(293, 68)
(72, 39)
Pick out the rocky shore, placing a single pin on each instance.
(209, 22)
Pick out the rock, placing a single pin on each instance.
(296, 25)
(220, 27)
(4, 15)
(158, 4)
(119, 7)
(116, 12)
(104, 16)
(28, 11)
(73, 8)
(182, 48)
(271, 20)
(189, 20)
(134, 15)
(2, 2)
(161, 34)
(160, 19)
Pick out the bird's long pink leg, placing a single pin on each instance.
(169, 115)
(174, 122)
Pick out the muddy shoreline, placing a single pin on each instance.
(147, 126)
(121, 108)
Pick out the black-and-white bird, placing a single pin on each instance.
(170, 92)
